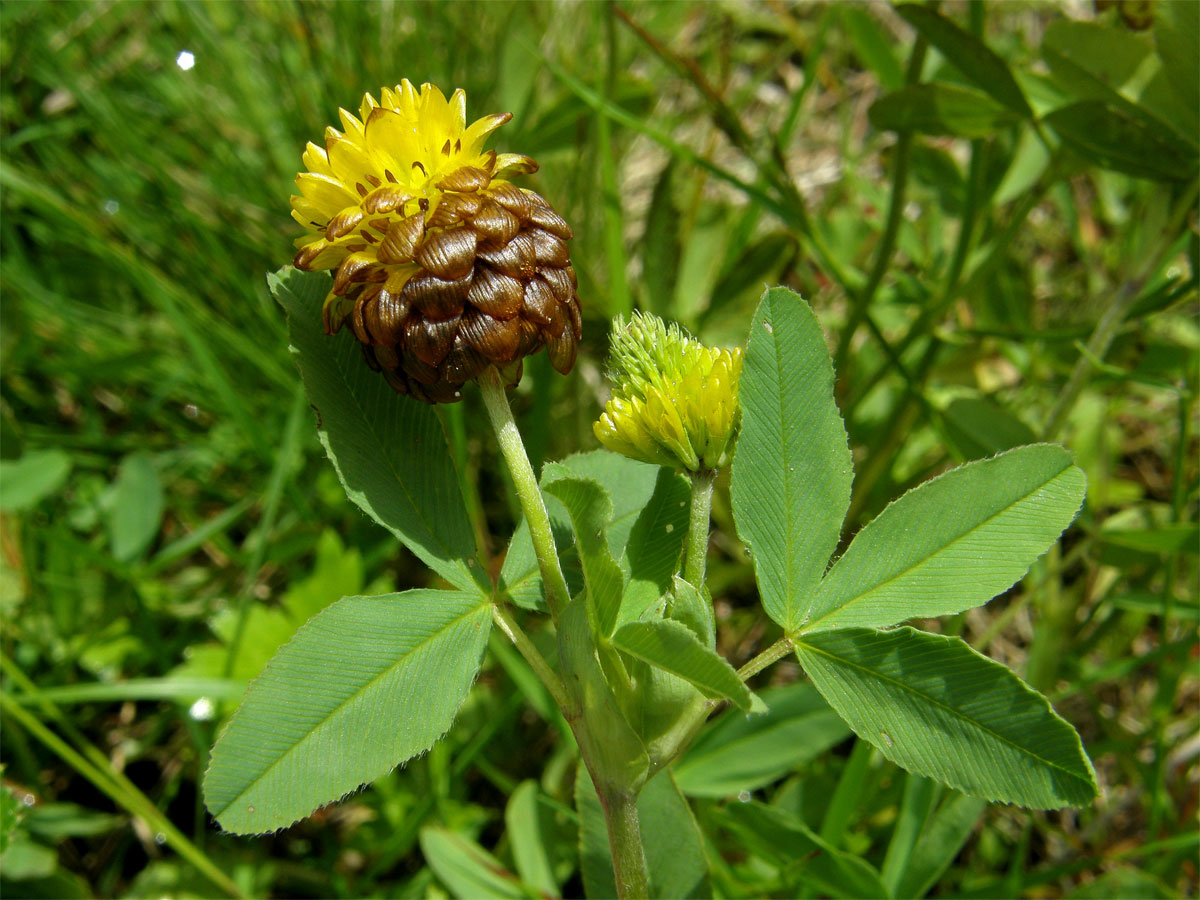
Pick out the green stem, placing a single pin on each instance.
(775, 652)
(555, 585)
(135, 802)
(537, 662)
(698, 522)
(625, 841)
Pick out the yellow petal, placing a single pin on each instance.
(481, 129)
(326, 194)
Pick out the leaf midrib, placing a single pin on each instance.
(807, 627)
(950, 709)
(333, 712)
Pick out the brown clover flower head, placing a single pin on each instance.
(443, 265)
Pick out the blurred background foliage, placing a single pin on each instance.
(1001, 246)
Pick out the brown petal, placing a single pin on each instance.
(419, 371)
(512, 198)
(548, 249)
(576, 317)
(402, 239)
(385, 200)
(468, 178)
(494, 293)
(397, 380)
(516, 258)
(384, 315)
(387, 356)
(449, 254)
(546, 218)
(429, 341)
(540, 302)
(435, 298)
(561, 351)
(442, 392)
(353, 269)
(495, 223)
(560, 283)
(342, 224)
(496, 339)
(463, 362)
(368, 353)
(453, 208)
(532, 338)
(357, 325)
(307, 254)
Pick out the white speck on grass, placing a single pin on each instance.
(185, 60)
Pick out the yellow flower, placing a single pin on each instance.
(674, 400)
(443, 265)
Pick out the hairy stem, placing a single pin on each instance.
(775, 652)
(625, 841)
(698, 522)
(503, 617)
(511, 445)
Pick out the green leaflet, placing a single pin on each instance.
(531, 828)
(590, 509)
(366, 684)
(972, 57)
(137, 507)
(937, 708)
(389, 451)
(655, 544)
(953, 542)
(792, 468)
(675, 648)
(673, 844)
(940, 108)
(31, 477)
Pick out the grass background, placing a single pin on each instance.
(163, 489)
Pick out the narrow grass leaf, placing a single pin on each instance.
(590, 509)
(466, 869)
(937, 708)
(675, 648)
(365, 685)
(527, 836)
(137, 507)
(674, 847)
(943, 836)
(802, 856)
(389, 451)
(872, 44)
(743, 753)
(969, 54)
(953, 542)
(792, 468)
(977, 428)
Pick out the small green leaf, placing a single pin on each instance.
(674, 847)
(801, 855)
(655, 544)
(1176, 35)
(527, 832)
(660, 247)
(368, 683)
(675, 648)
(969, 54)
(943, 109)
(1113, 139)
(467, 869)
(590, 508)
(743, 753)
(953, 542)
(873, 45)
(792, 467)
(137, 507)
(37, 474)
(389, 451)
(937, 708)
(693, 609)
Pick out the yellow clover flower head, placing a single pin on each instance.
(674, 400)
(443, 265)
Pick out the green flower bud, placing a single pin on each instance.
(674, 400)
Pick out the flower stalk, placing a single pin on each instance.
(625, 841)
(528, 492)
(699, 517)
